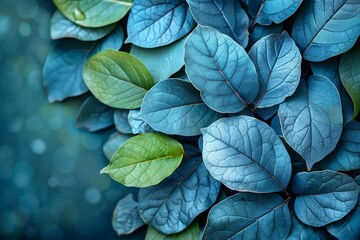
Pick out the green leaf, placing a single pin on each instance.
(350, 76)
(190, 233)
(117, 79)
(93, 13)
(145, 160)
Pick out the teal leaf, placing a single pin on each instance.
(190, 233)
(112, 144)
(260, 31)
(300, 231)
(121, 121)
(138, 125)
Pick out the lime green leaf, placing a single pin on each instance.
(93, 13)
(145, 160)
(190, 233)
(117, 79)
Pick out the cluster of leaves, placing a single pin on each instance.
(261, 121)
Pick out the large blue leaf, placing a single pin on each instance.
(311, 119)
(278, 65)
(323, 197)
(221, 70)
(173, 204)
(326, 28)
(346, 156)
(249, 216)
(227, 16)
(246, 154)
(300, 231)
(64, 65)
(260, 31)
(155, 23)
(175, 107)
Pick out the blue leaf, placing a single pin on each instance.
(121, 121)
(300, 231)
(275, 124)
(326, 28)
(114, 141)
(173, 204)
(266, 12)
(63, 66)
(267, 113)
(249, 216)
(260, 31)
(311, 119)
(227, 16)
(245, 154)
(155, 23)
(298, 164)
(323, 197)
(138, 125)
(221, 70)
(278, 65)
(346, 156)
(175, 107)
(126, 218)
(94, 115)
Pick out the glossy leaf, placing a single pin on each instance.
(121, 121)
(227, 16)
(323, 197)
(300, 231)
(221, 70)
(94, 115)
(93, 13)
(173, 204)
(311, 119)
(114, 141)
(170, 58)
(350, 74)
(260, 31)
(249, 216)
(326, 28)
(156, 23)
(190, 233)
(61, 27)
(245, 154)
(175, 107)
(117, 79)
(145, 160)
(138, 125)
(278, 65)
(126, 218)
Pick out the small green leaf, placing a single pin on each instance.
(145, 160)
(117, 79)
(190, 233)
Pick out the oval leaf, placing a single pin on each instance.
(221, 70)
(323, 197)
(117, 79)
(278, 65)
(175, 107)
(260, 31)
(311, 119)
(155, 23)
(172, 205)
(245, 154)
(112, 144)
(190, 233)
(93, 13)
(249, 216)
(300, 231)
(121, 121)
(326, 28)
(226, 16)
(145, 160)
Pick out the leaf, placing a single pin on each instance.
(93, 13)
(126, 218)
(350, 75)
(175, 107)
(94, 115)
(346, 156)
(249, 216)
(220, 68)
(121, 121)
(245, 154)
(114, 141)
(278, 65)
(156, 23)
(300, 231)
(311, 119)
(138, 125)
(61, 27)
(266, 12)
(326, 28)
(260, 31)
(117, 79)
(323, 197)
(64, 65)
(173, 204)
(170, 58)
(267, 113)
(298, 164)
(191, 233)
(145, 160)
(275, 124)
(226, 16)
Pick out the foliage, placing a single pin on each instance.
(243, 113)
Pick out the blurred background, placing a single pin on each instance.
(50, 186)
